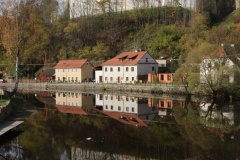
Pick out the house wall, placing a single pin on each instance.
(165, 77)
(74, 74)
(98, 73)
(125, 74)
(87, 72)
(69, 74)
(146, 65)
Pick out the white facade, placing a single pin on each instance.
(89, 7)
(209, 70)
(128, 73)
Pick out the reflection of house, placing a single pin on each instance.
(217, 117)
(74, 103)
(127, 67)
(164, 106)
(126, 109)
(73, 71)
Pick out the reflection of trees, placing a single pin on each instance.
(49, 136)
(208, 139)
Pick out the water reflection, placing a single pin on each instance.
(74, 125)
(126, 109)
(74, 103)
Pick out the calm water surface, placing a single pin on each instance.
(77, 126)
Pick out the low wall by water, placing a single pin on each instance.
(90, 86)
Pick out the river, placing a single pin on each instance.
(79, 126)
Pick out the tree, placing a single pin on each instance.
(24, 33)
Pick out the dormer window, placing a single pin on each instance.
(122, 58)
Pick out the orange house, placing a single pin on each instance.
(161, 77)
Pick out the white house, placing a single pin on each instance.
(127, 67)
(213, 69)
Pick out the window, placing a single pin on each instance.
(111, 97)
(146, 59)
(132, 78)
(105, 69)
(76, 70)
(126, 78)
(72, 70)
(132, 69)
(106, 106)
(127, 99)
(127, 109)
(169, 77)
(111, 79)
(111, 107)
(132, 109)
(105, 78)
(162, 103)
(106, 97)
(111, 69)
(126, 69)
(68, 69)
(63, 69)
(118, 69)
(58, 70)
(162, 77)
(153, 69)
(119, 108)
(169, 105)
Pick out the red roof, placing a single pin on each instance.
(126, 58)
(70, 63)
(126, 118)
(70, 109)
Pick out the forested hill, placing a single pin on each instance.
(164, 31)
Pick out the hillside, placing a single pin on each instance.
(163, 31)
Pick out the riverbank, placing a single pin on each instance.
(99, 87)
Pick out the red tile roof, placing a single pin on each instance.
(70, 109)
(70, 63)
(126, 58)
(126, 118)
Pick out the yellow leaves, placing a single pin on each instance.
(72, 27)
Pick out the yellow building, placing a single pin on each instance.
(73, 71)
